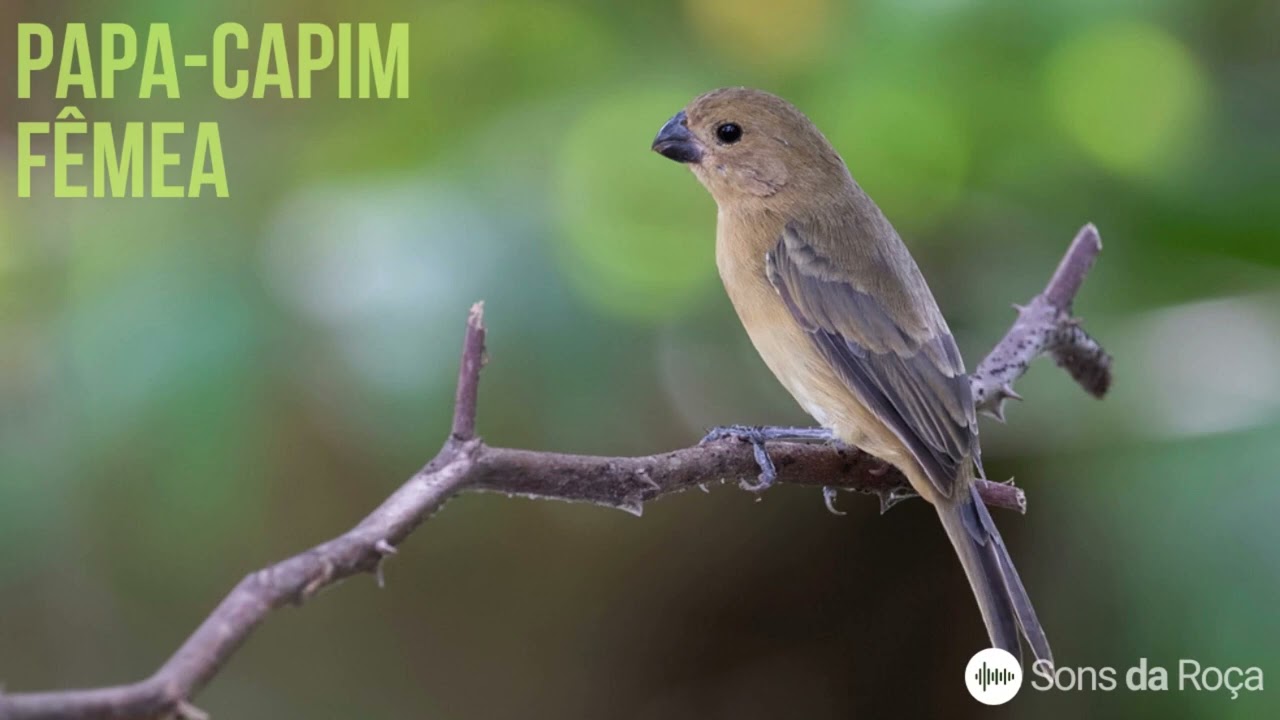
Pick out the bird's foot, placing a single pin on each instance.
(879, 467)
(829, 498)
(768, 433)
(889, 498)
(759, 435)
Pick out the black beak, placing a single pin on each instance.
(676, 142)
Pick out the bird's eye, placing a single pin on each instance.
(729, 133)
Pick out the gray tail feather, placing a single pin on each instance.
(1006, 609)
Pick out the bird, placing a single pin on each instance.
(839, 311)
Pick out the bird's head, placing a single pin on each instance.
(746, 144)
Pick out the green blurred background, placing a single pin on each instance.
(190, 389)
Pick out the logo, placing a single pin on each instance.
(993, 676)
(1147, 676)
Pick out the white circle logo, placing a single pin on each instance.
(993, 676)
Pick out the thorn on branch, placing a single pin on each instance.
(1007, 391)
(187, 711)
(384, 550)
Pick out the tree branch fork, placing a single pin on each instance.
(1045, 326)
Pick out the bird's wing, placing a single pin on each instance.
(890, 346)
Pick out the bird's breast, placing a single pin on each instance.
(786, 347)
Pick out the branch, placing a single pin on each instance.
(627, 483)
(1044, 326)
(291, 582)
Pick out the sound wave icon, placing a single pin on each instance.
(990, 676)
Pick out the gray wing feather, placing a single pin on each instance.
(917, 386)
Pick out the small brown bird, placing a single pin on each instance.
(838, 310)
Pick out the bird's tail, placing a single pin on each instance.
(1006, 609)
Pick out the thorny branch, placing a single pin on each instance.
(1043, 326)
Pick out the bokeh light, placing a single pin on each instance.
(907, 145)
(1129, 93)
(637, 230)
(762, 33)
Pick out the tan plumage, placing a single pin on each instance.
(839, 311)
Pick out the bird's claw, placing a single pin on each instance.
(768, 473)
(756, 436)
(889, 498)
(829, 497)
